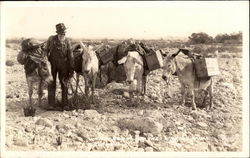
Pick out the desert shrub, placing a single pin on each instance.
(197, 49)
(200, 38)
(229, 39)
(9, 63)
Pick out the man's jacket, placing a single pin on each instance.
(57, 50)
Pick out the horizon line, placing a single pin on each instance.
(177, 37)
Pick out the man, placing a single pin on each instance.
(60, 55)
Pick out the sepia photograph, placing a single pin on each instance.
(124, 79)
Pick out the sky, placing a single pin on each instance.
(125, 19)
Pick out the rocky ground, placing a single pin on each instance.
(117, 123)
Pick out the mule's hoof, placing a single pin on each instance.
(29, 111)
(67, 108)
(59, 140)
(53, 108)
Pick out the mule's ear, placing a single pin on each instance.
(175, 54)
(82, 45)
(122, 60)
(163, 53)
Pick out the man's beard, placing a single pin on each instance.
(61, 37)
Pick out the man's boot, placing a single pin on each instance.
(65, 102)
(51, 97)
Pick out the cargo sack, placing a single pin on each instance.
(30, 44)
(154, 60)
(21, 57)
(105, 54)
(206, 67)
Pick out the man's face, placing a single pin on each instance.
(61, 35)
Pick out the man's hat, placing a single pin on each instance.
(60, 28)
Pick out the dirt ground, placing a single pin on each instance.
(117, 123)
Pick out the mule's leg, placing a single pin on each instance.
(139, 86)
(134, 87)
(184, 97)
(109, 71)
(77, 84)
(183, 94)
(144, 85)
(211, 96)
(40, 93)
(205, 98)
(193, 99)
(93, 87)
(71, 90)
(131, 88)
(30, 91)
(86, 86)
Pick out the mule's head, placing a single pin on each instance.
(89, 58)
(169, 67)
(44, 70)
(131, 63)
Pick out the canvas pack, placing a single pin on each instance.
(154, 60)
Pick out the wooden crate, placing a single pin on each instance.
(105, 56)
(154, 60)
(206, 67)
